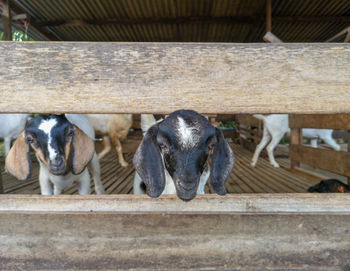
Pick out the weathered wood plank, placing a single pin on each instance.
(172, 238)
(324, 121)
(295, 139)
(334, 161)
(248, 203)
(163, 77)
(1, 184)
(247, 120)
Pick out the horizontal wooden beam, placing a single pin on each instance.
(334, 161)
(326, 121)
(247, 203)
(195, 19)
(162, 77)
(159, 238)
(247, 120)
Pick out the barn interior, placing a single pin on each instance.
(223, 21)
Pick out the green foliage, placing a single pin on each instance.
(17, 35)
(228, 124)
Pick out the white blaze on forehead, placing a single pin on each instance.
(46, 126)
(187, 135)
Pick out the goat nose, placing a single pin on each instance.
(187, 185)
(57, 161)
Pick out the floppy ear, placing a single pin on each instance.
(149, 164)
(83, 149)
(221, 164)
(18, 162)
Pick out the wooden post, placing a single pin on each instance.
(268, 16)
(295, 139)
(6, 19)
(1, 185)
(349, 150)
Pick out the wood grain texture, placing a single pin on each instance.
(324, 121)
(247, 120)
(1, 184)
(334, 161)
(296, 138)
(170, 239)
(163, 77)
(247, 203)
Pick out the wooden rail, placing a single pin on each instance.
(250, 137)
(163, 77)
(323, 121)
(281, 232)
(233, 232)
(336, 162)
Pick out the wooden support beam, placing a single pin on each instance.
(270, 37)
(18, 17)
(345, 31)
(348, 151)
(210, 232)
(6, 19)
(334, 161)
(296, 138)
(247, 120)
(40, 32)
(268, 16)
(163, 77)
(1, 184)
(195, 20)
(324, 121)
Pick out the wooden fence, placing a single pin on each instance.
(290, 231)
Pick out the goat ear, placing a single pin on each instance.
(222, 164)
(149, 164)
(18, 162)
(83, 150)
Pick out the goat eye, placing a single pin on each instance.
(163, 146)
(29, 139)
(70, 132)
(211, 146)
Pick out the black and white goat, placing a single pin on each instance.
(63, 151)
(11, 125)
(173, 157)
(276, 126)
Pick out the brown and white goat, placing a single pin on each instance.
(63, 151)
(113, 127)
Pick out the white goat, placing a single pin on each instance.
(276, 126)
(113, 127)
(11, 125)
(64, 146)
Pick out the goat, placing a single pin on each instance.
(173, 157)
(11, 126)
(276, 126)
(63, 150)
(330, 186)
(113, 127)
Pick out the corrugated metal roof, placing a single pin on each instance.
(186, 20)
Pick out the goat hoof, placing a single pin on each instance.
(276, 165)
(124, 164)
(100, 191)
(252, 164)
